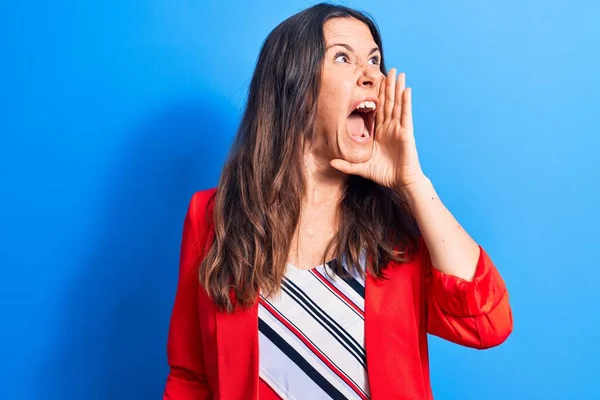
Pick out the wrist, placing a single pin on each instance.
(418, 189)
(415, 186)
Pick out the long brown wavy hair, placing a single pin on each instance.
(258, 199)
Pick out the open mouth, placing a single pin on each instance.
(361, 121)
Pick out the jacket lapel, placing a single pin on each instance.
(237, 354)
(234, 350)
(391, 337)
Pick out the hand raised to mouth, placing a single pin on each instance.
(394, 162)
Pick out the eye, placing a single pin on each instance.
(375, 60)
(342, 57)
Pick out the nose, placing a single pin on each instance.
(370, 77)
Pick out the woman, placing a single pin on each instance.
(324, 172)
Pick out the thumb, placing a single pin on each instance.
(348, 167)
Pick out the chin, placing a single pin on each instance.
(355, 149)
(357, 155)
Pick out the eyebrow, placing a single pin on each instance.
(347, 46)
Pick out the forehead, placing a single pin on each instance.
(347, 30)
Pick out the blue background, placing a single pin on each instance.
(114, 113)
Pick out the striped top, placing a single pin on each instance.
(311, 336)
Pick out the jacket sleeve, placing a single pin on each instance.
(473, 313)
(187, 377)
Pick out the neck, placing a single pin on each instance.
(324, 184)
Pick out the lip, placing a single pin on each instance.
(357, 102)
(371, 119)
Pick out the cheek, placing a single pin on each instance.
(334, 100)
(328, 125)
(339, 89)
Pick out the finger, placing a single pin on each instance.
(400, 85)
(349, 168)
(389, 92)
(379, 117)
(407, 109)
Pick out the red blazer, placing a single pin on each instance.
(214, 355)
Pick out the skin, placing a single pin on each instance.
(389, 157)
(349, 74)
(344, 79)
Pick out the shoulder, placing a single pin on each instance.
(202, 199)
(199, 213)
(412, 248)
(197, 227)
(415, 254)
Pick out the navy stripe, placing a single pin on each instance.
(338, 296)
(304, 365)
(346, 340)
(277, 312)
(354, 284)
(349, 279)
(304, 300)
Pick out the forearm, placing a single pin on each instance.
(451, 249)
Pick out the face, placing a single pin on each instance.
(348, 96)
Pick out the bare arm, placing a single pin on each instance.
(451, 248)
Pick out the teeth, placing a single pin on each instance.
(370, 105)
